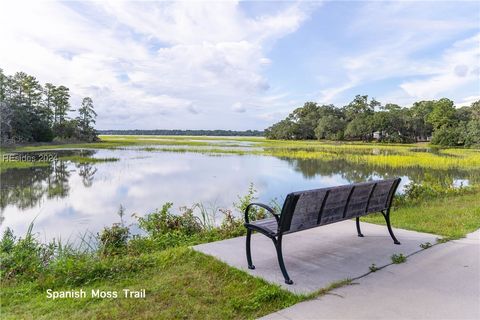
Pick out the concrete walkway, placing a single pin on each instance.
(442, 282)
(317, 257)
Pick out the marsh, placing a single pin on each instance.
(80, 190)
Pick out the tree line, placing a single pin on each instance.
(31, 112)
(364, 119)
(164, 132)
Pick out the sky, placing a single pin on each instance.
(241, 65)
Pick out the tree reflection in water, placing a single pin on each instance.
(26, 187)
(30, 187)
(310, 168)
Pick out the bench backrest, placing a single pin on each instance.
(312, 208)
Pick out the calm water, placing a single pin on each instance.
(66, 199)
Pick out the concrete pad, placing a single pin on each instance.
(317, 257)
(442, 282)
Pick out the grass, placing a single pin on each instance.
(181, 284)
(377, 154)
(451, 217)
(398, 258)
(4, 165)
(10, 163)
(20, 164)
(184, 284)
(82, 159)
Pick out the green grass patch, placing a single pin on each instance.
(180, 284)
(375, 154)
(19, 164)
(398, 258)
(451, 216)
(4, 165)
(82, 159)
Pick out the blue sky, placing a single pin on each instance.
(242, 65)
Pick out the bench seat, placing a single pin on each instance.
(268, 226)
(307, 209)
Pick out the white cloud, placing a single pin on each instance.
(147, 63)
(402, 50)
(239, 107)
(457, 69)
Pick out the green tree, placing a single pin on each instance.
(443, 114)
(449, 136)
(48, 104)
(61, 103)
(3, 86)
(360, 128)
(360, 106)
(306, 119)
(419, 112)
(86, 119)
(330, 127)
(283, 130)
(472, 135)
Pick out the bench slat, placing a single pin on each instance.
(311, 208)
(358, 203)
(335, 205)
(380, 196)
(308, 209)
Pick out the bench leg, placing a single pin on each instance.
(359, 232)
(249, 253)
(278, 246)
(386, 215)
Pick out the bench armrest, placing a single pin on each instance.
(264, 206)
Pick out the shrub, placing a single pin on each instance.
(255, 213)
(163, 222)
(231, 226)
(25, 257)
(415, 192)
(113, 240)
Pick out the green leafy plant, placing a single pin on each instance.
(113, 240)
(425, 245)
(163, 221)
(255, 212)
(442, 240)
(398, 258)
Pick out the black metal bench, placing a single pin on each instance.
(312, 208)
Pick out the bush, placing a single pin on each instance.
(114, 239)
(415, 192)
(255, 212)
(25, 257)
(114, 252)
(231, 226)
(163, 222)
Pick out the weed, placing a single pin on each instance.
(163, 221)
(398, 258)
(442, 240)
(113, 240)
(425, 245)
(373, 267)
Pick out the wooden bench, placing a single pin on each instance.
(313, 208)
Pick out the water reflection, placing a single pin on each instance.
(26, 187)
(66, 199)
(311, 168)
